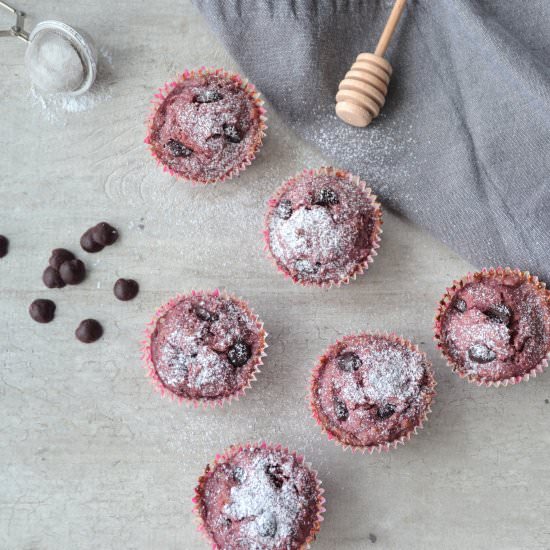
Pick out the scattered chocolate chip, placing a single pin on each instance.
(480, 353)
(385, 411)
(239, 474)
(72, 272)
(267, 525)
(326, 197)
(88, 244)
(239, 354)
(340, 409)
(58, 256)
(126, 289)
(104, 234)
(231, 133)
(177, 149)
(208, 96)
(275, 474)
(89, 331)
(284, 209)
(460, 305)
(52, 279)
(204, 315)
(4, 245)
(499, 313)
(547, 401)
(42, 311)
(372, 538)
(349, 361)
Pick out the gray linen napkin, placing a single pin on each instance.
(463, 144)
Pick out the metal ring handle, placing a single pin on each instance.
(17, 30)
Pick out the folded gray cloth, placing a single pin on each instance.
(462, 146)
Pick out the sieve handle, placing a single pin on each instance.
(17, 30)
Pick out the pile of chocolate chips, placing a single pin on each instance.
(65, 269)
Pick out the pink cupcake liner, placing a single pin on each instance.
(485, 273)
(230, 453)
(244, 84)
(148, 365)
(373, 200)
(385, 446)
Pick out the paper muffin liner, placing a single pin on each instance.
(148, 365)
(487, 273)
(245, 85)
(383, 446)
(230, 453)
(373, 200)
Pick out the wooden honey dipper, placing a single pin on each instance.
(363, 91)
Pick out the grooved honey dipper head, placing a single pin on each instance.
(363, 91)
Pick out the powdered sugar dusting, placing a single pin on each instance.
(272, 512)
(307, 232)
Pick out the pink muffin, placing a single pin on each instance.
(323, 227)
(493, 326)
(371, 391)
(207, 126)
(204, 347)
(259, 497)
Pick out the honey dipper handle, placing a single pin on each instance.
(389, 29)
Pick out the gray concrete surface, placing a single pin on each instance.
(91, 458)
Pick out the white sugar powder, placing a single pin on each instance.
(272, 509)
(309, 231)
(54, 65)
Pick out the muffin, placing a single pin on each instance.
(206, 126)
(493, 327)
(371, 391)
(259, 497)
(323, 227)
(204, 347)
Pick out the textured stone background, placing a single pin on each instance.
(90, 457)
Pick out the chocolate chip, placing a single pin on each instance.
(275, 474)
(89, 331)
(231, 133)
(372, 537)
(267, 526)
(480, 353)
(460, 305)
(239, 474)
(42, 311)
(4, 245)
(284, 209)
(326, 197)
(73, 272)
(204, 315)
(349, 361)
(177, 149)
(340, 409)
(88, 244)
(385, 411)
(239, 354)
(208, 96)
(126, 289)
(58, 256)
(499, 313)
(104, 234)
(52, 279)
